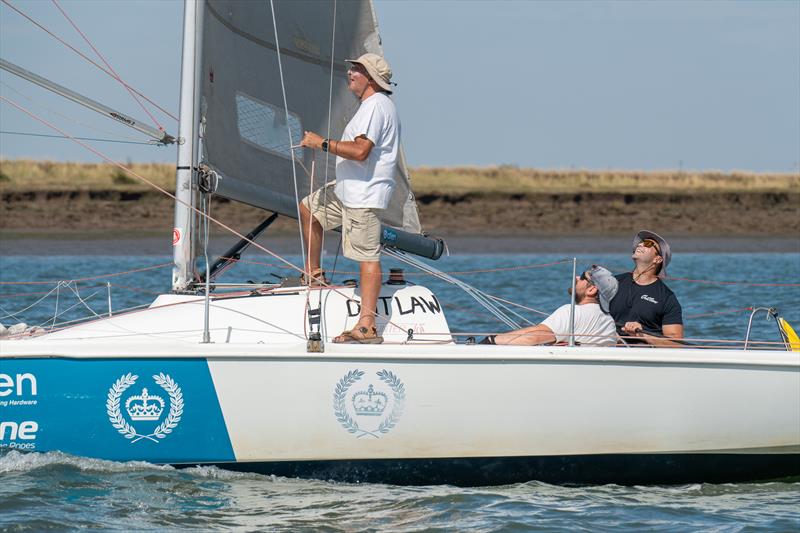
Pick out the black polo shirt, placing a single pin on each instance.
(652, 306)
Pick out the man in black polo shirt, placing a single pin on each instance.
(644, 307)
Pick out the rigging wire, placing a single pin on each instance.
(476, 294)
(81, 138)
(85, 57)
(288, 128)
(328, 130)
(107, 64)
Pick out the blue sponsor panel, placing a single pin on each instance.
(157, 410)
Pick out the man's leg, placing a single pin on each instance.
(312, 233)
(370, 290)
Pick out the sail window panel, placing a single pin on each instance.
(264, 125)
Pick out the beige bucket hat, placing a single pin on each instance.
(377, 68)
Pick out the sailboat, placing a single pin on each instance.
(248, 378)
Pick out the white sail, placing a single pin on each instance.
(246, 137)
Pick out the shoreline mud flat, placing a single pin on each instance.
(754, 213)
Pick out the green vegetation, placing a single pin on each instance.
(27, 175)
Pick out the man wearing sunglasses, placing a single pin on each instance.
(594, 289)
(645, 309)
(366, 164)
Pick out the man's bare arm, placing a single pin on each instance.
(355, 150)
(538, 334)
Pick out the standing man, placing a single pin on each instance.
(366, 164)
(644, 306)
(594, 289)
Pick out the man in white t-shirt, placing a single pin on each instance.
(594, 289)
(366, 164)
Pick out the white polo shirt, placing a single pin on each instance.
(590, 320)
(369, 183)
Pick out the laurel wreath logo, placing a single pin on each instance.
(340, 397)
(122, 425)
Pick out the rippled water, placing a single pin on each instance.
(54, 491)
(59, 492)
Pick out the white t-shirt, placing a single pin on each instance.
(589, 320)
(369, 183)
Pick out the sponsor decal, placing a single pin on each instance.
(18, 390)
(389, 236)
(176, 236)
(372, 411)
(144, 409)
(650, 299)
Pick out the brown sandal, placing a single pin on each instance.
(360, 335)
(316, 279)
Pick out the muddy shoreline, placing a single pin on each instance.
(113, 222)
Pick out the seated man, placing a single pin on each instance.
(594, 289)
(645, 309)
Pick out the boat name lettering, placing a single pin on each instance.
(8, 384)
(10, 430)
(416, 302)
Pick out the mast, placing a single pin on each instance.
(183, 272)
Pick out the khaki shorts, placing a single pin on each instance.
(361, 228)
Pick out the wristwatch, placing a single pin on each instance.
(325, 145)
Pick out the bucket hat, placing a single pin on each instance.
(377, 68)
(606, 284)
(663, 245)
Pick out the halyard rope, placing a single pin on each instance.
(81, 54)
(107, 64)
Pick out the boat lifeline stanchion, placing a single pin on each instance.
(108, 288)
(771, 312)
(572, 303)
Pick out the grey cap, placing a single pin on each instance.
(665, 254)
(606, 284)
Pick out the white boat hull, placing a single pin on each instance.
(408, 413)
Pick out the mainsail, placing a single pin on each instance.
(249, 61)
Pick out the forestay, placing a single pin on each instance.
(246, 140)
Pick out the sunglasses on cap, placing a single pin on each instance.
(584, 277)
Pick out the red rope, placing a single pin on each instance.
(721, 312)
(107, 64)
(113, 274)
(734, 282)
(85, 57)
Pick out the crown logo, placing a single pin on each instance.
(369, 402)
(139, 408)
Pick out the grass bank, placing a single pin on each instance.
(17, 175)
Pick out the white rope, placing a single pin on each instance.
(288, 130)
(476, 294)
(70, 308)
(15, 314)
(328, 131)
(73, 286)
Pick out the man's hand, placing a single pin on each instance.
(312, 140)
(633, 329)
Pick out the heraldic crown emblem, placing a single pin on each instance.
(369, 402)
(139, 409)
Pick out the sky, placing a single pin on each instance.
(595, 85)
